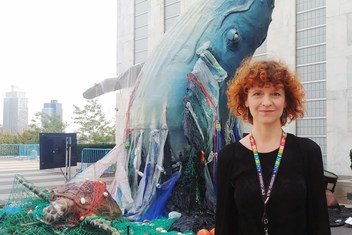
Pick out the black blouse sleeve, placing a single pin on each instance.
(226, 211)
(318, 218)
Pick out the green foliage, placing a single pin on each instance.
(52, 124)
(29, 136)
(26, 137)
(92, 124)
(8, 138)
(41, 123)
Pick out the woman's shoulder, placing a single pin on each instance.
(304, 143)
(228, 149)
(227, 153)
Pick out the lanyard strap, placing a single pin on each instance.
(266, 195)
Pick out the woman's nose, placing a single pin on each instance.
(266, 101)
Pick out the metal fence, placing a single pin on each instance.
(26, 151)
(92, 155)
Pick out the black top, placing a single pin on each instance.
(297, 203)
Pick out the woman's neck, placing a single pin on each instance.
(267, 138)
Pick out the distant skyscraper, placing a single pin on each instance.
(15, 111)
(53, 108)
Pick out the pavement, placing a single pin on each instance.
(29, 169)
(342, 230)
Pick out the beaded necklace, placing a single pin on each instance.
(266, 195)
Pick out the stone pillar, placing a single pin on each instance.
(125, 48)
(185, 4)
(156, 24)
(281, 39)
(339, 85)
(125, 34)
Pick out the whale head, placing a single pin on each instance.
(240, 30)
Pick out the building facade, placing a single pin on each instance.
(15, 112)
(314, 37)
(53, 108)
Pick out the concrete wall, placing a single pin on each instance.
(185, 4)
(125, 10)
(339, 85)
(125, 48)
(156, 24)
(281, 39)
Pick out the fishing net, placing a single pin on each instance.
(189, 196)
(153, 227)
(24, 213)
(25, 223)
(156, 208)
(18, 217)
(73, 202)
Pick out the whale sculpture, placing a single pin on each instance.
(195, 58)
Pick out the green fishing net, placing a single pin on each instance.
(23, 215)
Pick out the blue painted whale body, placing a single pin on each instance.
(233, 29)
(179, 92)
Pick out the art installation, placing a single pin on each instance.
(177, 119)
(176, 122)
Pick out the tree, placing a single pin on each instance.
(92, 124)
(40, 123)
(8, 138)
(28, 136)
(43, 122)
(52, 123)
(31, 134)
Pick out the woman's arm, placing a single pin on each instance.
(226, 212)
(317, 211)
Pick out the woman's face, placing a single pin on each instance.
(266, 104)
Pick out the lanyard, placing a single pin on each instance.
(266, 195)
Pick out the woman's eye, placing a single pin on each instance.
(277, 94)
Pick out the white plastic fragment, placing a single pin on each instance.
(349, 221)
(159, 229)
(83, 200)
(174, 215)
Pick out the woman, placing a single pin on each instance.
(270, 182)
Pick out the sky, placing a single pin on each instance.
(56, 49)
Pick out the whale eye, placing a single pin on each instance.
(232, 39)
(271, 3)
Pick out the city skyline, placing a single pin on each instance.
(15, 111)
(53, 108)
(106, 98)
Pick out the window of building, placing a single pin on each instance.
(172, 11)
(142, 8)
(261, 52)
(311, 68)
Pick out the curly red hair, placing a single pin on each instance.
(262, 74)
